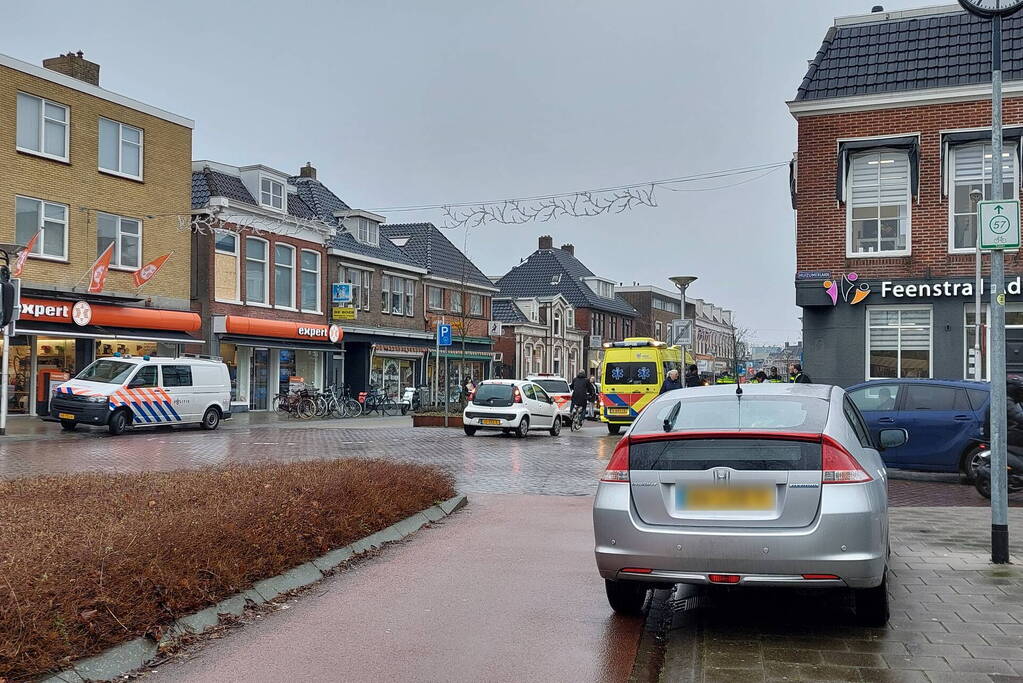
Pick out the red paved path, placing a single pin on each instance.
(505, 590)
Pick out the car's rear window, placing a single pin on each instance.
(553, 386)
(493, 394)
(737, 454)
(791, 413)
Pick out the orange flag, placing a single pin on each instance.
(98, 277)
(19, 263)
(148, 271)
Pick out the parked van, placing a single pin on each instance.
(131, 391)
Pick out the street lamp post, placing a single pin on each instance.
(683, 282)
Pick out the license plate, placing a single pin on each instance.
(617, 411)
(65, 416)
(490, 422)
(725, 498)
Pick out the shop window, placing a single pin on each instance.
(177, 375)
(310, 281)
(360, 281)
(971, 170)
(259, 379)
(108, 347)
(309, 366)
(284, 276)
(256, 289)
(19, 365)
(47, 220)
(120, 149)
(230, 356)
(410, 297)
(55, 354)
(126, 236)
(878, 208)
(436, 298)
(42, 127)
(225, 266)
(898, 342)
(286, 370)
(476, 305)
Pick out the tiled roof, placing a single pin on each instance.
(910, 53)
(431, 249)
(537, 276)
(506, 311)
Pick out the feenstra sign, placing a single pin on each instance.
(895, 290)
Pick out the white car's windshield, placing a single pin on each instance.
(107, 371)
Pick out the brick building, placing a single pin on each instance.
(539, 335)
(656, 309)
(893, 121)
(83, 168)
(599, 312)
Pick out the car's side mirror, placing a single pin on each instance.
(891, 438)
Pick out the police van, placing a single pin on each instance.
(125, 391)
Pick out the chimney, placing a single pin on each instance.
(570, 248)
(546, 242)
(74, 64)
(307, 171)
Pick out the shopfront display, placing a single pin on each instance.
(393, 375)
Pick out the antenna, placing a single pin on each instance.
(669, 421)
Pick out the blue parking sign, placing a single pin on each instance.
(444, 334)
(341, 292)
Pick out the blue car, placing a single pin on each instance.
(945, 419)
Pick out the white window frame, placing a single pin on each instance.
(472, 311)
(410, 297)
(363, 298)
(430, 290)
(39, 226)
(284, 193)
(570, 318)
(456, 295)
(239, 266)
(42, 129)
(115, 262)
(951, 180)
(292, 306)
(372, 236)
(266, 273)
(120, 144)
(385, 294)
(557, 323)
(898, 361)
(319, 281)
(398, 288)
(848, 190)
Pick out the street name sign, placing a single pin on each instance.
(999, 224)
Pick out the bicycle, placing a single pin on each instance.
(295, 404)
(577, 417)
(379, 402)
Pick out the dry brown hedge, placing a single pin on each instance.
(90, 560)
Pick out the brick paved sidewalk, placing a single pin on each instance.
(955, 617)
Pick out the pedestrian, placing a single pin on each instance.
(583, 393)
(671, 382)
(774, 377)
(759, 378)
(725, 378)
(798, 376)
(692, 378)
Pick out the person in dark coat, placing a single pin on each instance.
(583, 391)
(693, 376)
(798, 376)
(671, 382)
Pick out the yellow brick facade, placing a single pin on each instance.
(164, 192)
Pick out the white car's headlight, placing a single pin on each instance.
(96, 399)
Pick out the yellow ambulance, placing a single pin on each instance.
(631, 377)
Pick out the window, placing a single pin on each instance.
(930, 397)
(47, 219)
(630, 372)
(310, 280)
(360, 280)
(410, 297)
(527, 389)
(225, 265)
(570, 318)
(476, 305)
(271, 193)
(971, 170)
(42, 127)
(177, 376)
(367, 231)
(855, 420)
(284, 275)
(107, 371)
(145, 377)
(658, 330)
(614, 327)
(120, 148)
(256, 289)
(456, 302)
(899, 342)
(436, 298)
(876, 398)
(397, 298)
(126, 236)
(878, 210)
(557, 324)
(540, 394)
(385, 293)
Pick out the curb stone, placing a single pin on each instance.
(135, 654)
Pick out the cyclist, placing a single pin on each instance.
(583, 392)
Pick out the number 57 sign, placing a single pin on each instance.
(999, 224)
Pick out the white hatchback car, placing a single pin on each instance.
(510, 405)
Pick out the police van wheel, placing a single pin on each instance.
(118, 423)
(211, 420)
(68, 425)
(613, 429)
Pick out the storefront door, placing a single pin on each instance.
(259, 379)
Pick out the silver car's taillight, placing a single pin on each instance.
(839, 466)
(618, 468)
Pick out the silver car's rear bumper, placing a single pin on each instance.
(847, 539)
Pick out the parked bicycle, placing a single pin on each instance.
(377, 401)
(295, 404)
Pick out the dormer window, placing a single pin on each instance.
(367, 231)
(271, 193)
(602, 288)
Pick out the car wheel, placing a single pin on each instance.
(556, 427)
(211, 419)
(983, 482)
(523, 429)
(118, 422)
(626, 597)
(872, 604)
(613, 429)
(68, 425)
(469, 431)
(970, 462)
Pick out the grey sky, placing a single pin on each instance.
(406, 103)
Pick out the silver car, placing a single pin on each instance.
(748, 485)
